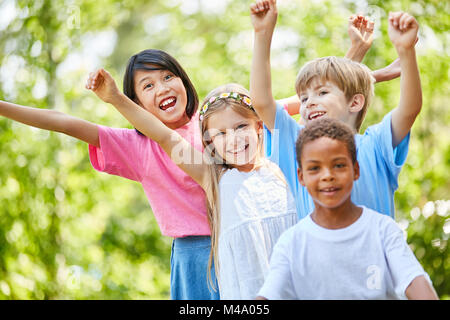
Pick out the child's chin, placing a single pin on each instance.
(171, 116)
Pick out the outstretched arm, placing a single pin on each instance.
(387, 73)
(52, 120)
(403, 30)
(264, 17)
(104, 86)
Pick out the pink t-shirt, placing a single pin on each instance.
(178, 202)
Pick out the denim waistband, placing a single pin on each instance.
(191, 242)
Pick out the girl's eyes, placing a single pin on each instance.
(303, 100)
(223, 133)
(241, 126)
(166, 78)
(340, 165)
(323, 93)
(218, 134)
(315, 168)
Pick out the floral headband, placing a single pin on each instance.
(233, 95)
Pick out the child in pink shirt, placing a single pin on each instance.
(177, 201)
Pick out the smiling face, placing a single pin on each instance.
(163, 94)
(324, 99)
(236, 138)
(327, 171)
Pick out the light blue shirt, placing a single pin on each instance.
(379, 163)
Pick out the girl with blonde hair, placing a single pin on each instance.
(248, 201)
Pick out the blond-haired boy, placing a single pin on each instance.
(341, 89)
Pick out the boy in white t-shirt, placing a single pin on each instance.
(340, 251)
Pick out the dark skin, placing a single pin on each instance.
(327, 171)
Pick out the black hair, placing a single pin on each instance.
(326, 127)
(165, 61)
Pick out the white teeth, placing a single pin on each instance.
(239, 150)
(316, 114)
(166, 102)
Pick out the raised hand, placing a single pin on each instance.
(403, 29)
(103, 85)
(264, 15)
(360, 30)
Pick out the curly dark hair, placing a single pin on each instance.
(330, 128)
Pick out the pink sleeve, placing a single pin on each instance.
(120, 153)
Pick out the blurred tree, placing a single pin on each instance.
(68, 232)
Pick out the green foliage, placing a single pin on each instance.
(68, 232)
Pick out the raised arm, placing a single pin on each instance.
(403, 30)
(360, 31)
(104, 86)
(264, 17)
(52, 120)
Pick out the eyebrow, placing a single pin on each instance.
(143, 79)
(314, 88)
(320, 86)
(235, 125)
(334, 159)
(149, 69)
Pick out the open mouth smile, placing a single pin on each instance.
(329, 190)
(236, 151)
(316, 114)
(168, 104)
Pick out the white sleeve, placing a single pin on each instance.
(279, 284)
(403, 265)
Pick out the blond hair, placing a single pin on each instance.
(350, 76)
(216, 165)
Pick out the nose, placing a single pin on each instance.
(234, 139)
(327, 175)
(311, 102)
(163, 88)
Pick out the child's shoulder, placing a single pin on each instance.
(382, 222)
(123, 137)
(283, 120)
(382, 127)
(266, 170)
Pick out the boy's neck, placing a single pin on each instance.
(338, 217)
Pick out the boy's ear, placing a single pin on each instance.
(357, 102)
(300, 176)
(356, 170)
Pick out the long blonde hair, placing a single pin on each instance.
(217, 166)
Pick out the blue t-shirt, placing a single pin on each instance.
(379, 163)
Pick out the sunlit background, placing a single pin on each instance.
(69, 232)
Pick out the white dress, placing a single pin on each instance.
(255, 208)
